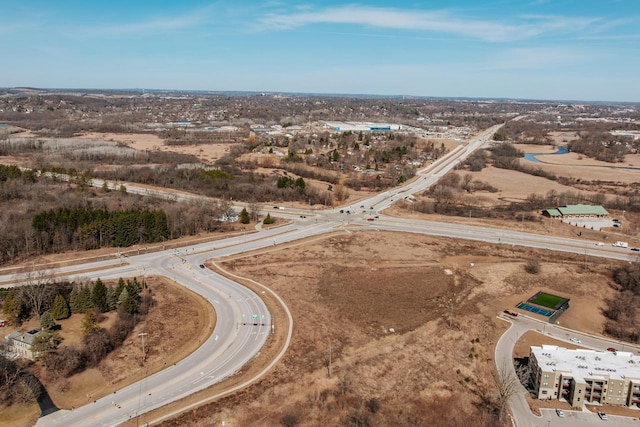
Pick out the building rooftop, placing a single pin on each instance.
(588, 364)
(582, 210)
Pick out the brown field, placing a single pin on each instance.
(207, 153)
(383, 302)
(579, 166)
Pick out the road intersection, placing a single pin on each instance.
(244, 323)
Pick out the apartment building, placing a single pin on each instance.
(585, 376)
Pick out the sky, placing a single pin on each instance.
(532, 49)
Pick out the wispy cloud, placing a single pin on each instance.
(148, 27)
(439, 21)
(536, 58)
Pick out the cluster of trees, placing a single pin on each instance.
(92, 228)
(601, 146)
(288, 182)
(622, 310)
(51, 302)
(525, 132)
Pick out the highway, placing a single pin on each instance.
(243, 321)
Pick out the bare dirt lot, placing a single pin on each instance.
(409, 343)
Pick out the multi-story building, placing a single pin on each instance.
(21, 343)
(585, 376)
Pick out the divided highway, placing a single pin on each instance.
(243, 321)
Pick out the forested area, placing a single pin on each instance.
(40, 215)
(53, 301)
(93, 228)
(602, 146)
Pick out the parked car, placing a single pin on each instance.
(201, 265)
(369, 219)
(560, 413)
(575, 340)
(599, 244)
(612, 350)
(602, 415)
(635, 249)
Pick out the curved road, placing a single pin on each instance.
(244, 322)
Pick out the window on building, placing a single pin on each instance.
(579, 391)
(544, 391)
(546, 376)
(578, 399)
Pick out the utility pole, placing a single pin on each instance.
(329, 358)
(144, 355)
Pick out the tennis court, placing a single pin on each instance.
(535, 310)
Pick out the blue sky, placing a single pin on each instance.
(535, 49)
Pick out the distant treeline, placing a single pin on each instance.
(93, 228)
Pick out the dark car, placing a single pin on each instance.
(612, 350)
(369, 219)
(201, 265)
(635, 249)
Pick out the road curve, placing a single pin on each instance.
(231, 344)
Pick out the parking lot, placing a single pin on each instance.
(591, 223)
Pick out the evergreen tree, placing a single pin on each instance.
(89, 323)
(120, 287)
(99, 296)
(46, 321)
(127, 302)
(60, 309)
(46, 342)
(268, 220)
(244, 216)
(73, 300)
(112, 298)
(13, 308)
(80, 299)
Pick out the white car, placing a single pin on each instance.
(599, 244)
(560, 413)
(575, 340)
(602, 415)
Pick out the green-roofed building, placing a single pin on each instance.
(577, 211)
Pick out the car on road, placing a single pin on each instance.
(341, 210)
(615, 220)
(602, 415)
(369, 219)
(201, 265)
(635, 249)
(560, 413)
(575, 340)
(612, 350)
(599, 244)
(376, 217)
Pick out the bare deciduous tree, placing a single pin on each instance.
(36, 291)
(507, 385)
